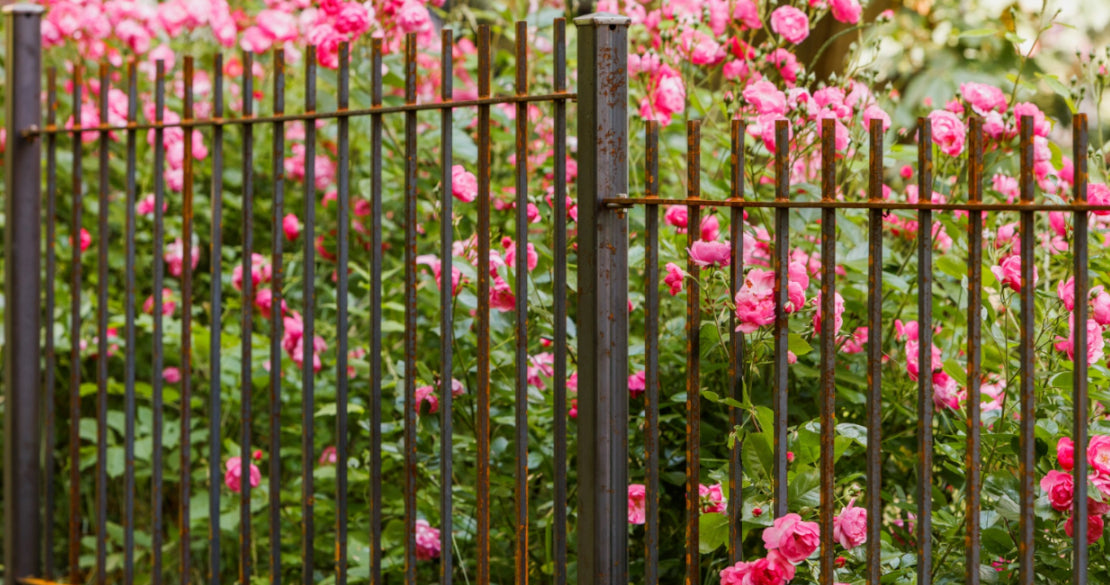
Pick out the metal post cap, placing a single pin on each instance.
(23, 8)
(602, 19)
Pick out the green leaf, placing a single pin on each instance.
(798, 345)
(712, 532)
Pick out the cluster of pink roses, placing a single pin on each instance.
(233, 475)
(1059, 486)
(712, 497)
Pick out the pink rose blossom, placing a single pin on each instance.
(1095, 342)
(1098, 453)
(792, 537)
(291, 226)
(983, 97)
(674, 278)
(712, 499)
(846, 11)
(464, 185)
(676, 216)
(1065, 453)
(1094, 528)
(710, 228)
(711, 253)
(328, 456)
(171, 375)
(850, 527)
(637, 500)
(233, 478)
(427, 394)
(637, 383)
(766, 98)
(1059, 487)
(1098, 194)
(1008, 272)
(949, 132)
(427, 541)
(791, 23)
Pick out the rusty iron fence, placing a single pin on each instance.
(601, 541)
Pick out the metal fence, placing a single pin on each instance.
(602, 321)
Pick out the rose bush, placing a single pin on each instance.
(715, 61)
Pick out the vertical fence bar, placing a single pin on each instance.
(216, 321)
(156, 370)
(186, 330)
(874, 355)
(51, 362)
(22, 294)
(828, 349)
(602, 301)
(693, 355)
(246, 321)
(277, 278)
(651, 355)
(736, 345)
(341, 377)
(446, 306)
(925, 354)
(1027, 455)
(102, 238)
(129, 308)
(376, 314)
(560, 304)
(974, 348)
(1079, 342)
(76, 209)
(308, 345)
(521, 282)
(410, 312)
(779, 396)
(483, 503)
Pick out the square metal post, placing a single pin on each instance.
(22, 286)
(602, 300)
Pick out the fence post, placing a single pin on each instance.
(602, 300)
(22, 285)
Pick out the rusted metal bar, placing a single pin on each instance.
(75, 278)
(627, 202)
(376, 315)
(23, 295)
(156, 536)
(1079, 397)
(560, 305)
(410, 220)
(308, 339)
(49, 381)
(446, 308)
(520, 278)
(874, 356)
(102, 238)
(974, 350)
(343, 181)
(277, 278)
(488, 100)
(215, 346)
(602, 301)
(246, 324)
(828, 352)
(1027, 342)
(484, 194)
(185, 497)
(779, 396)
(651, 356)
(924, 493)
(736, 345)
(693, 356)
(129, 327)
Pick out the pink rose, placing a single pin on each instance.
(1098, 194)
(949, 132)
(1095, 342)
(427, 541)
(291, 226)
(674, 278)
(637, 383)
(983, 97)
(171, 375)
(755, 303)
(710, 228)
(874, 112)
(168, 304)
(711, 253)
(233, 478)
(850, 527)
(791, 23)
(1100, 306)
(766, 98)
(1065, 453)
(279, 26)
(1059, 487)
(427, 394)
(464, 185)
(792, 537)
(1094, 528)
(501, 295)
(770, 570)
(838, 313)
(847, 11)
(175, 257)
(328, 456)
(637, 500)
(677, 216)
(712, 498)
(1098, 453)
(1008, 272)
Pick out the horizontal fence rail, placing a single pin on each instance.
(597, 473)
